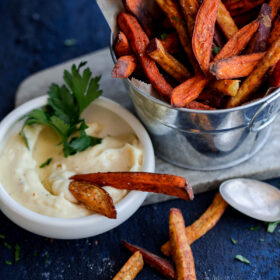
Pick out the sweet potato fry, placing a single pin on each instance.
(169, 63)
(238, 42)
(131, 268)
(124, 66)
(237, 7)
(180, 248)
(188, 91)
(275, 5)
(163, 266)
(225, 21)
(170, 8)
(205, 223)
(122, 46)
(198, 106)
(258, 42)
(275, 77)
(94, 198)
(140, 11)
(254, 81)
(204, 32)
(170, 43)
(227, 87)
(139, 42)
(190, 9)
(141, 181)
(275, 32)
(212, 98)
(235, 66)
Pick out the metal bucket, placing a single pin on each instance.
(205, 140)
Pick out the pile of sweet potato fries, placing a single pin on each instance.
(178, 247)
(87, 188)
(202, 55)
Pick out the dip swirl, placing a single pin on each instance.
(45, 190)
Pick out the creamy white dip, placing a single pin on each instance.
(45, 190)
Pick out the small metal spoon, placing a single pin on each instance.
(252, 198)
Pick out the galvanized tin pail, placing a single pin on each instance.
(205, 140)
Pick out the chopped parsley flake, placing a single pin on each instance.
(163, 36)
(234, 241)
(254, 228)
(7, 245)
(2, 236)
(242, 259)
(8, 262)
(17, 253)
(47, 162)
(272, 226)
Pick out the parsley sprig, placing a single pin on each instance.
(64, 107)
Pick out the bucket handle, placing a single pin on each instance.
(252, 127)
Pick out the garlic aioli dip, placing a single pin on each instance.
(45, 190)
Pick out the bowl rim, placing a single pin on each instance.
(259, 101)
(148, 165)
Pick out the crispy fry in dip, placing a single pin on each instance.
(235, 66)
(203, 33)
(163, 266)
(202, 225)
(171, 9)
(180, 248)
(238, 41)
(124, 66)
(139, 41)
(94, 198)
(188, 91)
(140, 11)
(225, 21)
(168, 62)
(227, 87)
(131, 268)
(140, 181)
(255, 79)
(122, 46)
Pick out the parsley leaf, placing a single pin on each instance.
(64, 108)
(216, 49)
(234, 241)
(163, 36)
(242, 259)
(46, 163)
(272, 226)
(254, 228)
(17, 253)
(8, 262)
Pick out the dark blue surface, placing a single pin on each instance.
(32, 35)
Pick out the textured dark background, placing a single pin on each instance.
(32, 37)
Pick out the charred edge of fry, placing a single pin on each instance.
(169, 63)
(121, 46)
(235, 66)
(124, 67)
(202, 225)
(131, 268)
(180, 248)
(94, 198)
(162, 265)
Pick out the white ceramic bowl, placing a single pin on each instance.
(73, 228)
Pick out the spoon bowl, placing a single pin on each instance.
(253, 198)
